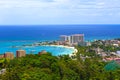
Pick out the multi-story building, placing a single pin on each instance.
(72, 39)
(76, 38)
(64, 38)
(9, 55)
(20, 53)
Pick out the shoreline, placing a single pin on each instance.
(86, 39)
(73, 50)
(68, 47)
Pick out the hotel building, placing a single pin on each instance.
(72, 39)
(9, 55)
(64, 38)
(76, 38)
(20, 53)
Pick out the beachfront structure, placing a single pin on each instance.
(76, 38)
(20, 53)
(65, 38)
(72, 39)
(9, 55)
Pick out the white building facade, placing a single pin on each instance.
(72, 39)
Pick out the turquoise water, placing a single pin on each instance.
(9, 47)
(13, 35)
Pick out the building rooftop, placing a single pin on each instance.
(113, 65)
(78, 35)
(63, 35)
(20, 50)
(72, 35)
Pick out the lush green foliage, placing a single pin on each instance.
(48, 67)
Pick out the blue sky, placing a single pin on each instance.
(39, 12)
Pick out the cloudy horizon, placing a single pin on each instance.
(39, 12)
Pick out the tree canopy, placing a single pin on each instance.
(48, 67)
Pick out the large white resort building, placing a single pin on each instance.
(72, 39)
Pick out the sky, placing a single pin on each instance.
(40, 12)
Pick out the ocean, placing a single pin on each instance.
(22, 35)
(52, 32)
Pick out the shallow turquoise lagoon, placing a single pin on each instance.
(14, 46)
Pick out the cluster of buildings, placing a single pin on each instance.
(110, 42)
(114, 42)
(107, 56)
(75, 39)
(10, 55)
(19, 53)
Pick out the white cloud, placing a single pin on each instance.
(55, 10)
(68, 4)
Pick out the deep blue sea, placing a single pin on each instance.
(20, 35)
(52, 32)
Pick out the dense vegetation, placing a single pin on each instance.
(48, 67)
(106, 48)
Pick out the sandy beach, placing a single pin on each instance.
(75, 50)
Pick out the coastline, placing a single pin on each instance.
(68, 47)
(13, 46)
